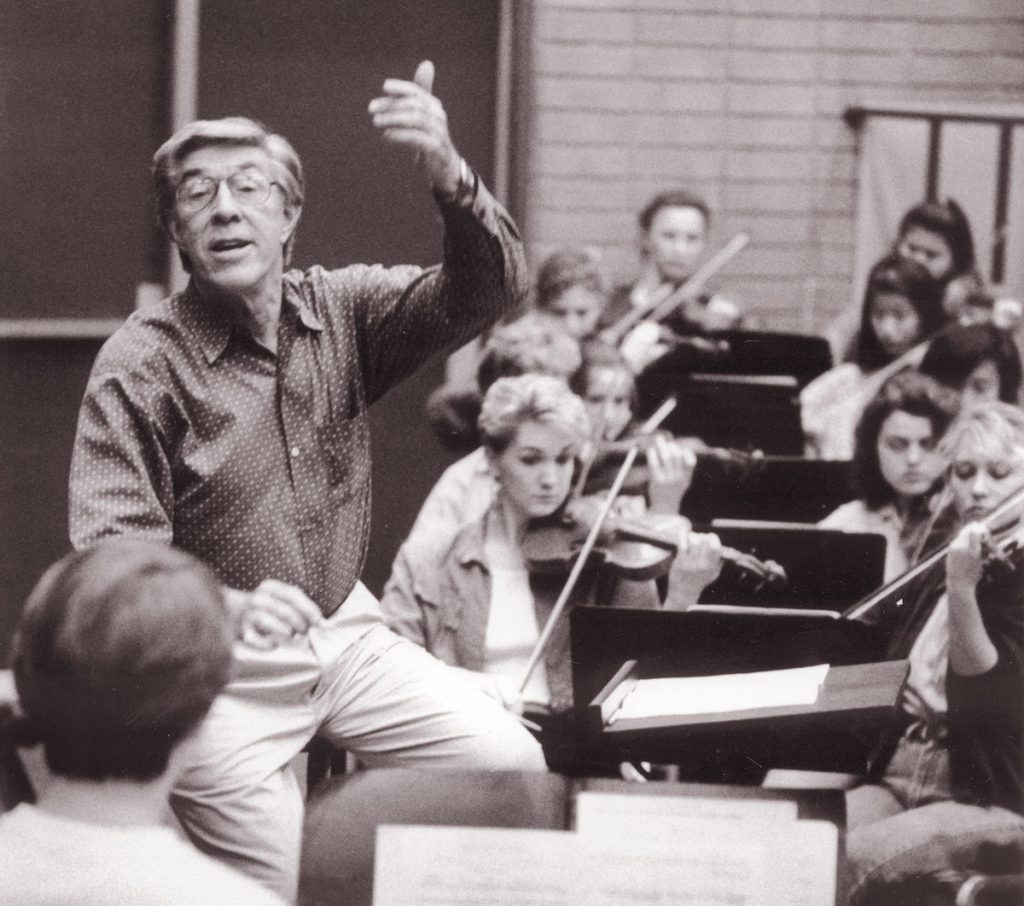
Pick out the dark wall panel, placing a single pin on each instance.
(41, 386)
(82, 107)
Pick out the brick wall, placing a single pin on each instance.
(743, 101)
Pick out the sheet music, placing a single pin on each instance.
(610, 813)
(455, 866)
(724, 693)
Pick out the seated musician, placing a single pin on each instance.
(571, 288)
(532, 344)
(897, 466)
(119, 655)
(978, 361)
(468, 596)
(673, 238)
(607, 386)
(953, 783)
(902, 307)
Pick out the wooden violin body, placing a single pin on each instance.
(629, 549)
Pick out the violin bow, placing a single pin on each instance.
(1008, 505)
(662, 309)
(651, 424)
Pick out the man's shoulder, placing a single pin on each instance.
(145, 335)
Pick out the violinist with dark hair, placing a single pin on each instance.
(469, 596)
(952, 785)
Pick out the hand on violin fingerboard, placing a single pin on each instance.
(670, 466)
(697, 564)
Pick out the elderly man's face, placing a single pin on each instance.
(235, 242)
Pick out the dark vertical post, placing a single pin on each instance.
(931, 187)
(998, 265)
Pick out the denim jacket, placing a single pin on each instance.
(439, 596)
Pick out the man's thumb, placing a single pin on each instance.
(425, 76)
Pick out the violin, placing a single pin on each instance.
(1004, 554)
(663, 307)
(629, 549)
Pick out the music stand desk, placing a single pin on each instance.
(850, 696)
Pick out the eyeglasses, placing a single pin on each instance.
(248, 187)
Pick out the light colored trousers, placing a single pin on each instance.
(362, 688)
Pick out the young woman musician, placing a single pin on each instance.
(953, 781)
(469, 597)
(937, 235)
(897, 465)
(978, 361)
(571, 288)
(607, 386)
(902, 307)
(532, 344)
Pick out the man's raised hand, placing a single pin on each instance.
(407, 113)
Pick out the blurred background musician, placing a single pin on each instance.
(978, 361)
(902, 307)
(572, 288)
(607, 387)
(952, 783)
(897, 466)
(937, 235)
(468, 597)
(673, 239)
(535, 343)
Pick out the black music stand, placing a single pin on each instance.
(778, 488)
(748, 352)
(743, 412)
(611, 645)
(825, 569)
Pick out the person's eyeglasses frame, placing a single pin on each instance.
(189, 209)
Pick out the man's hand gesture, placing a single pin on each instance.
(408, 114)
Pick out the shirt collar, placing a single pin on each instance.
(469, 545)
(213, 332)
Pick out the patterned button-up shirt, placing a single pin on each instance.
(192, 434)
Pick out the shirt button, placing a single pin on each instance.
(295, 452)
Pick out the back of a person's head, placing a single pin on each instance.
(959, 349)
(898, 276)
(118, 656)
(576, 265)
(948, 220)
(534, 344)
(672, 198)
(910, 392)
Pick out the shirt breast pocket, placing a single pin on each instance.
(346, 448)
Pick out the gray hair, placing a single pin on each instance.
(232, 131)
